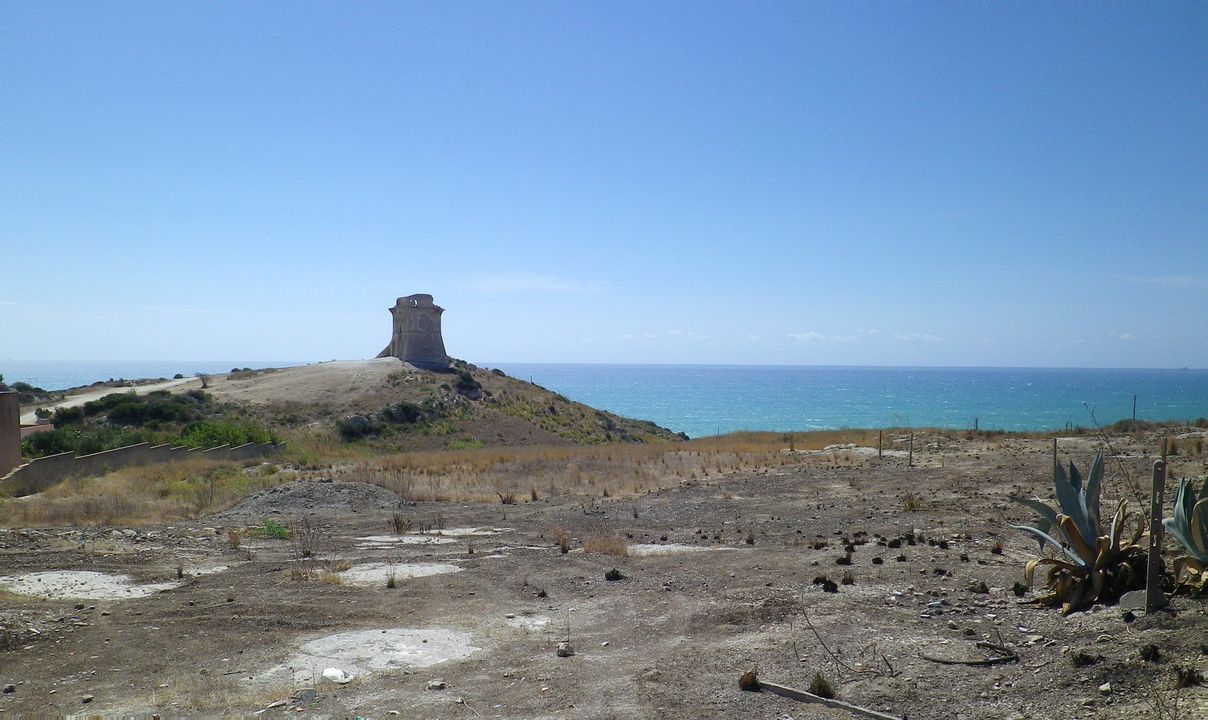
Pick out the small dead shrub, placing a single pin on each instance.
(607, 545)
(822, 687)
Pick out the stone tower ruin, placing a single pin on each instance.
(416, 338)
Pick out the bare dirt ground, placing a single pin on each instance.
(484, 595)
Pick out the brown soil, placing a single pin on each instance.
(669, 640)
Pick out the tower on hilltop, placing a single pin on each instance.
(416, 338)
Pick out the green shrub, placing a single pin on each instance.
(212, 433)
(272, 530)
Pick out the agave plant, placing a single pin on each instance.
(1088, 565)
(1189, 526)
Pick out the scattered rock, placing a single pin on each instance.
(437, 684)
(336, 675)
(565, 650)
(1105, 688)
(10, 688)
(87, 699)
(613, 575)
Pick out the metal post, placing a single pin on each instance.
(1155, 599)
(1134, 407)
(975, 425)
(879, 444)
(910, 458)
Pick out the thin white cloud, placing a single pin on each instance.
(814, 337)
(1183, 281)
(1125, 336)
(916, 337)
(685, 335)
(540, 283)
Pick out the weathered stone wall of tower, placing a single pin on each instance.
(10, 432)
(416, 338)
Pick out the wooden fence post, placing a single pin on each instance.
(910, 457)
(879, 444)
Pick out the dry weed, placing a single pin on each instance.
(607, 545)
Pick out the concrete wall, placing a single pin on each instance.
(27, 430)
(10, 432)
(37, 475)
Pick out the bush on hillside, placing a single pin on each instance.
(212, 433)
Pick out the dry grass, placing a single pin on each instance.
(163, 493)
(492, 474)
(607, 545)
(139, 495)
(215, 694)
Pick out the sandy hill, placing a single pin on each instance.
(412, 408)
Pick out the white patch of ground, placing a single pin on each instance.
(80, 585)
(463, 531)
(645, 550)
(528, 622)
(91, 585)
(374, 574)
(371, 541)
(363, 651)
(492, 556)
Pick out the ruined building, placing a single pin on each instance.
(416, 338)
(10, 432)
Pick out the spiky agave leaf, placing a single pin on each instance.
(1044, 537)
(1056, 566)
(1080, 545)
(1183, 524)
(1047, 516)
(1091, 492)
(1074, 496)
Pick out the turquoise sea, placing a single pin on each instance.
(706, 399)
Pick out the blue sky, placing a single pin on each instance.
(1016, 184)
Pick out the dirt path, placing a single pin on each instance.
(78, 399)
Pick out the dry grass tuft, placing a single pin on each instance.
(607, 545)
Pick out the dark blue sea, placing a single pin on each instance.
(704, 400)
(707, 399)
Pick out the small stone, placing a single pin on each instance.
(87, 699)
(565, 650)
(1105, 688)
(604, 644)
(10, 688)
(437, 684)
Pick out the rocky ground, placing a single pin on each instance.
(723, 576)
